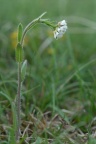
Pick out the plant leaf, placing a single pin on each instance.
(19, 53)
(20, 30)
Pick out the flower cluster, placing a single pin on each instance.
(60, 29)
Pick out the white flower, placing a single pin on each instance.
(56, 34)
(62, 23)
(60, 30)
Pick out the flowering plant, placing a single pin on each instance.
(59, 30)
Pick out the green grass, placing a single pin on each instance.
(59, 92)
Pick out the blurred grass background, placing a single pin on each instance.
(61, 74)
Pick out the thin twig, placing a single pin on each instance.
(18, 103)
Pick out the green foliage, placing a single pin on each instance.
(20, 31)
(92, 140)
(19, 53)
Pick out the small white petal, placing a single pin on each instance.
(62, 23)
(63, 28)
(58, 29)
(55, 34)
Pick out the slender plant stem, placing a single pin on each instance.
(18, 103)
(27, 28)
(18, 98)
(33, 23)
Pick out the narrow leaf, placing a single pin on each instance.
(20, 30)
(42, 15)
(19, 53)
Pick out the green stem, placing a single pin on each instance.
(27, 28)
(33, 23)
(18, 103)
